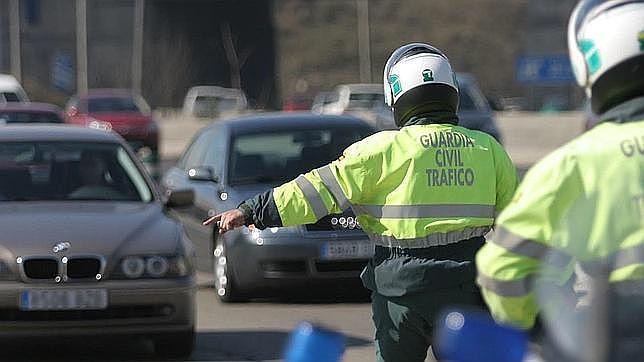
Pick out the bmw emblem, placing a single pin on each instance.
(61, 246)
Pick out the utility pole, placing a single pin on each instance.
(14, 39)
(81, 46)
(137, 45)
(364, 42)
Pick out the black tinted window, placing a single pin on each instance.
(281, 156)
(35, 171)
(29, 117)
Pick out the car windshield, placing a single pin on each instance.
(470, 98)
(112, 104)
(281, 156)
(49, 171)
(10, 97)
(28, 117)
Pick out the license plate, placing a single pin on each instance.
(63, 299)
(347, 250)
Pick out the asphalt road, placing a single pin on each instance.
(258, 330)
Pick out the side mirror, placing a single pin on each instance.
(179, 198)
(202, 174)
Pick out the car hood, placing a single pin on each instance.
(102, 228)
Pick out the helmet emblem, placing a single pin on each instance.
(61, 246)
(428, 75)
(591, 53)
(640, 37)
(395, 84)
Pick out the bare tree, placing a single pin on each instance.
(235, 61)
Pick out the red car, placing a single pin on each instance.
(122, 111)
(14, 112)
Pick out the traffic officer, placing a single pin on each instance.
(584, 202)
(425, 194)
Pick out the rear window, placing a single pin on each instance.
(281, 156)
(29, 117)
(10, 97)
(111, 104)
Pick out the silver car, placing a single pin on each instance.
(86, 247)
(230, 161)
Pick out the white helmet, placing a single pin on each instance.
(606, 44)
(418, 77)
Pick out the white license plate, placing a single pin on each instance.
(347, 250)
(63, 299)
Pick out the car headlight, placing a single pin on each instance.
(152, 266)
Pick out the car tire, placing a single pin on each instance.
(225, 285)
(174, 345)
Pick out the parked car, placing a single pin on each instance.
(232, 160)
(213, 101)
(87, 247)
(16, 112)
(366, 101)
(11, 90)
(122, 111)
(474, 110)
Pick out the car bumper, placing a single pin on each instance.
(134, 307)
(292, 262)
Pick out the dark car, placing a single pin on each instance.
(230, 161)
(86, 246)
(122, 111)
(474, 110)
(14, 112)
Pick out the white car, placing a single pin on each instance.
(11, 90)
(364, 100)
(213, 101)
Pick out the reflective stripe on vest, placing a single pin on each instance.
(312, 196)
(529, 248)
(435, 239)
(334, 187)
(506, 288)
(619, 259)
(428, 211)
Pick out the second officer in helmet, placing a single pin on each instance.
(425, 194)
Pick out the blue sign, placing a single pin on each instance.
(545, 70)
(62, 72)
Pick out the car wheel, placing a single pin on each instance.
(225, 285)
(178, 344)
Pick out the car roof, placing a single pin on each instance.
(277, 121)
(29, 106)
(8, 81)
(363, 87)
(70, 133)
(107, 92)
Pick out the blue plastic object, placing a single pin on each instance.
(465, 336)
(311, 343)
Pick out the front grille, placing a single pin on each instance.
(340, 266)
(345, 221)
(40, 268)
(284, 267)
(83, 268)
(124, 312)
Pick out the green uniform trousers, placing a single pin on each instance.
(411, 287)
